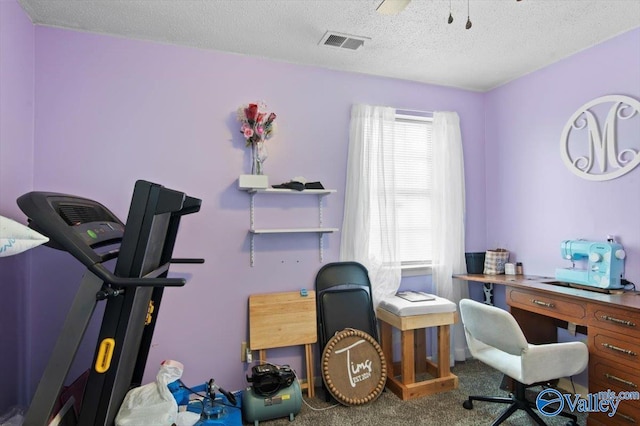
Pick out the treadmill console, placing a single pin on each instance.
(99, 233)
(74, 224)
(90, 221)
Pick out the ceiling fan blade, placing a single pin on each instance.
(392, 7)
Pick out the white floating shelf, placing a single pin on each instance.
(293, 230)
(320, 230)
(290, 191)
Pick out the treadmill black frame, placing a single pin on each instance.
(138, 280)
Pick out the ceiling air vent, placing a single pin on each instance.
(342, 41)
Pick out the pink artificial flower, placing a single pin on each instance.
(256, 124)
(251, 112)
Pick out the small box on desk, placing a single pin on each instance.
(253, 181)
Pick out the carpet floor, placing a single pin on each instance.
(444, 408)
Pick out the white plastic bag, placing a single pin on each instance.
(152, 404)
(187, 418)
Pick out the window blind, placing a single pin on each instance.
(412, 146)
(411, 149)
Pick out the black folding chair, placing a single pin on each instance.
(343, 300)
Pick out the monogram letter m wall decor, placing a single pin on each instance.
(597, 153)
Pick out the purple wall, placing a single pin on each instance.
(110, 111)
(16, 168)
(533, 201)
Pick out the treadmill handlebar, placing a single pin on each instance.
(109, 278)
(186, 260)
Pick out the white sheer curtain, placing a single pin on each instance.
(448, 209)
(369, 229)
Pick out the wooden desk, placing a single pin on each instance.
(610, 321)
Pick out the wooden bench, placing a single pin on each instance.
(401, 378)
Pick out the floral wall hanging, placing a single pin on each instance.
(257, 126)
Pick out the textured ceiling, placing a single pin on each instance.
(507, 40)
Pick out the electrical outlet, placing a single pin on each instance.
(243, 351)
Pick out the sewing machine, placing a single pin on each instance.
(600, 264)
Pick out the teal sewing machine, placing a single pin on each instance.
(594, 263)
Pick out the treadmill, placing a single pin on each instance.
(132, 292)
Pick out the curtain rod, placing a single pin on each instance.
(414, 110)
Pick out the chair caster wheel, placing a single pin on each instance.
(468, 404)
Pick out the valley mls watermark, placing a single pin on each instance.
(550, 402)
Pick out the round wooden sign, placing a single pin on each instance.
(353, 367)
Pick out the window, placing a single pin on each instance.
(412, 152)
(390, 172)
(413, 155)
(411, 149)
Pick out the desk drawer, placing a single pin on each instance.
(627, 415)
(616, 347)
(614, 319)
(628, 407)
(545, 304)
(605, 374)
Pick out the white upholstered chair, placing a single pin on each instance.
(495, 338)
